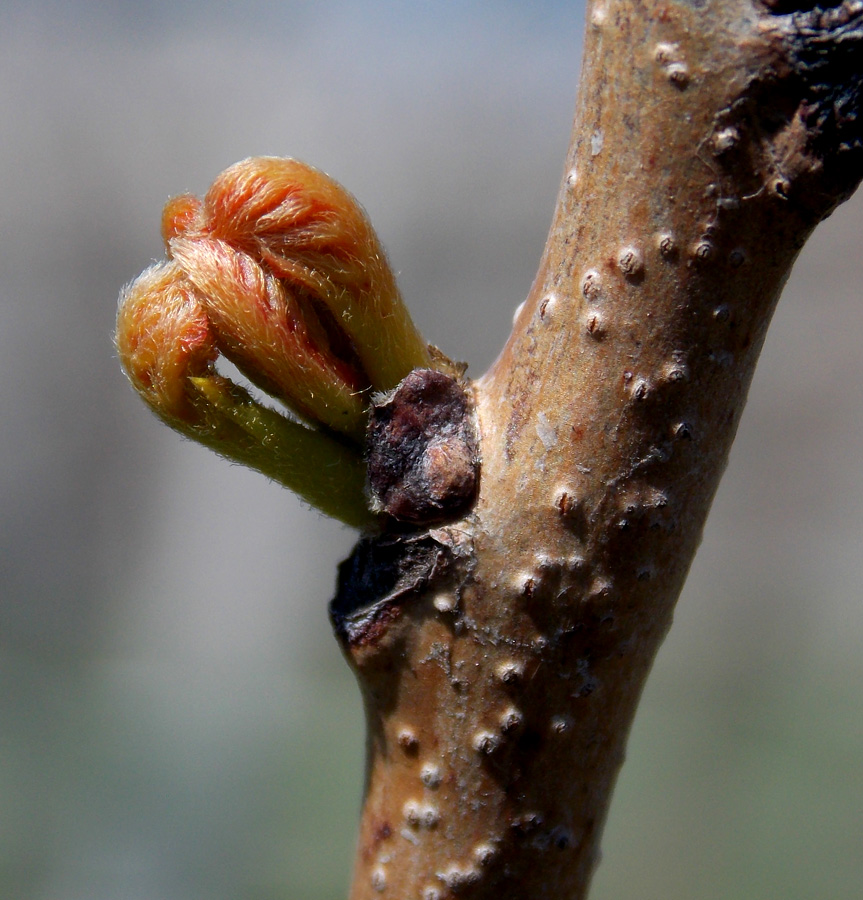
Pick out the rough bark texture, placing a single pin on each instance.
(501, 656)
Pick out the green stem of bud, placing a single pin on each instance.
(321, 470)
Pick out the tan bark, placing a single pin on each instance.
(501, 656)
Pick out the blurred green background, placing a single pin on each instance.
(176, 722)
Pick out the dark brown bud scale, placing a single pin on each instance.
(423, 460)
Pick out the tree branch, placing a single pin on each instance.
(527, 535)
(501, 656)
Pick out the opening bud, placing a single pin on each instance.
(278, 270)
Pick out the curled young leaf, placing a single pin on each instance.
(168, 349)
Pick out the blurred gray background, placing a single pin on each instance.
(176, 722)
